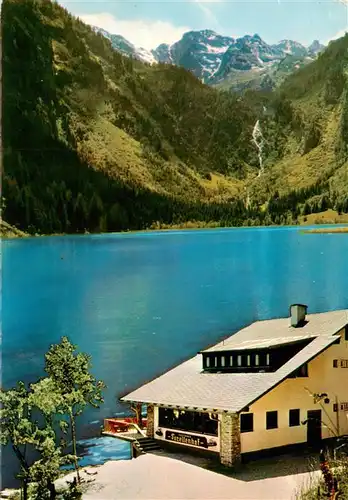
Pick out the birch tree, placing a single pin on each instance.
(69, 371)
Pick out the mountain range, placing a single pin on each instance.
(224, 61)
(103, 142)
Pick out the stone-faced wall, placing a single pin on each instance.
(230, 448)
(150, 429)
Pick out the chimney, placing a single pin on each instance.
(298, 315)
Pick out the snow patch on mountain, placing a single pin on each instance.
(145, 55)
(212, 57)
(127, 48)
(215, 50)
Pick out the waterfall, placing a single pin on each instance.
(248, 196)
(248, 199)
(258, 140)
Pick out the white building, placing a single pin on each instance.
(272, 385)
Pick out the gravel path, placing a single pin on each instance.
(159, 477)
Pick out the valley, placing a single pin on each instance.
(106, 142)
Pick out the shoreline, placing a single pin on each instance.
(11, 232)
(333, 230)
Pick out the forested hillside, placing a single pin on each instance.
(306, 141)
(95, 141)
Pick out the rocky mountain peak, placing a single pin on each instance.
(213, 58)
(315, 47)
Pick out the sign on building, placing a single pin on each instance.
(189, 439)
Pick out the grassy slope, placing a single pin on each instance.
(240, 80)
(296, 168)
(8, 231)
(106, 143)
(318, 98)
(132, 117)
(326, 217)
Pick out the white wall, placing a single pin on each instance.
(216, 439)
(292, 394)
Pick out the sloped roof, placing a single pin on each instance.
(187, 386)
(279, 331)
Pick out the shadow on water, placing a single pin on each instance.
(98, 450)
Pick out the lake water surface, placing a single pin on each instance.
(140, 303)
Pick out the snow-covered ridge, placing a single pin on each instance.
(127, 48)
(211, 56)
(145, 55)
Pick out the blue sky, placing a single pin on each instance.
(149, 23)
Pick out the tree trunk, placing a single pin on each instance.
(137, 411)
(25, 489)
(24, 469)
(52, 490)
(139, 416)
(73, 439)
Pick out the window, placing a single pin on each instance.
(303, 371)
(215, 361)
(223, 361)
(294, 418)
(344, 363)
(346, 333)
(335, 363)
(248, 360)
(272, 420)
(207, 361)
(231, 360)
(189, 421)
(300, 372)
(239, 360)
(246, 422)
(267, 359)
(257, 360)
(340, 406)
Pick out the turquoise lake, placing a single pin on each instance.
(140, 303)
